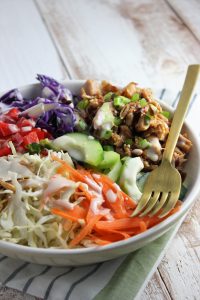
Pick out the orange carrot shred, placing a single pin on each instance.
(85, 231)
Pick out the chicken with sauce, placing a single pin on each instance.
(133, 123)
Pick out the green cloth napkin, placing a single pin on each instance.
(133, 274)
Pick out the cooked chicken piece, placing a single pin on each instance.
(107, 87)
(129, 118)
(158, 127)
(93, 106)
(178, 158)
(125, 132)
(142, 125)
(155, 107)
(127, 150)
(147, 94)
(90, 88)
(129, 90)
(117, 139)
(124, 111)
(184, 144)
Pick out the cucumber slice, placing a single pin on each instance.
(128, 177)
(81, 147)
(115, 171)
(110, 158)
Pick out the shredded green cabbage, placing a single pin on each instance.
(22, 220)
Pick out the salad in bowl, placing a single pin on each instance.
(73, 165)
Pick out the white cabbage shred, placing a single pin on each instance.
(22, 218)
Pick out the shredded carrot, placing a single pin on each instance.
(96, 227)
(74, 173)
(112, 235)
(73, 215)
(85, 231)
(120, 224)
(99, 241)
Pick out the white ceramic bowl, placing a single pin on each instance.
(77, 257)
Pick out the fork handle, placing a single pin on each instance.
(179, 115)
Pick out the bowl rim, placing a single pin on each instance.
(161, 227)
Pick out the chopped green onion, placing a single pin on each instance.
(143, 144)
(135, 97)
(106, 134)
(34, 148)
(108, 148)
(143, 102)
(128, 142)
(166, 114)
(120, 101)
(147, 119)
(108, 96)
(83, 104)
(82, 125)
(117, 121)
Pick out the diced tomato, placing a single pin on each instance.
(30, 138)
(40, 133)
(7, 129)
(25, 130)
(20, 131)
(5, 151)
(23, 122)
(17, 139)
(13, 113)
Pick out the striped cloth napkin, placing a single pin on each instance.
(122, 278)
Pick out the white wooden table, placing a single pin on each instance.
(148, 41)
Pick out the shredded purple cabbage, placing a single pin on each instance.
(54, 90)
(12, 96)
(57, 120)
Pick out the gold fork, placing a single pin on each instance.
(162, 188)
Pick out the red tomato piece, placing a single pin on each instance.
(30, 138)
(23, 122)
(5, 151)
(7, 129)
(40, 133)
(17, 139)
(13, 113)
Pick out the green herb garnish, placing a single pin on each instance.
(120, 101)
(83, 104)
(128, 142)
(34, 148)
(147, 119)
(143, 144)
(166, 114)
(82, 125)
(135, 97)
(117, 121)
(106, 134)
(143, 102)
(108, 96)
(108, 148)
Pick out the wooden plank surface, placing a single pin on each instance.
(148, 41)
(188, 12)
(126, 40)
(25, 46)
